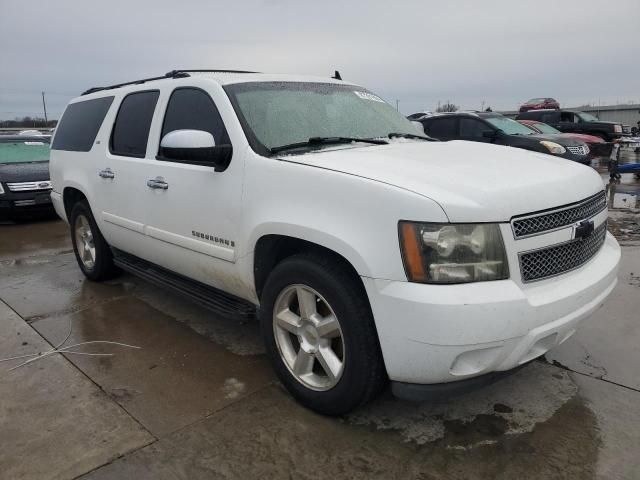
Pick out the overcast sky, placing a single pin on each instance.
(422, 52)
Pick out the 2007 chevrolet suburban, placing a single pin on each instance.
(369, 258)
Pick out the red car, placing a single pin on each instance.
(539, 104)
(597, 146)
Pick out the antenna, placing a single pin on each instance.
(337, 75)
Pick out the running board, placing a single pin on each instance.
(209, 297)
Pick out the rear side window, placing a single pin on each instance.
(443, 128)
(131, 129)
(552, 117)
(79, 125)
(193, 109)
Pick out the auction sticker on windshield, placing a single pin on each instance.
(368, 96)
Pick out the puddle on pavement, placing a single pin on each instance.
(175, 378)
(267, 435)
(37, 237)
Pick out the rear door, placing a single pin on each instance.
(120, 176)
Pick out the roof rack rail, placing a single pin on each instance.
(171, 74)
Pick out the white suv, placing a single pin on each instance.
(373, 252)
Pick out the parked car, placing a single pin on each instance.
(597, 146)
(538, 103)
(571, 121)
(371, 252)
(497, 129)
(24, 176)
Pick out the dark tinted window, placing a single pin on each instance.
(472, 128)
(442, 128)
(551, 117)
(193, 109)
(131, 129)
(79, 125)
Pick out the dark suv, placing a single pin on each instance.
(24, 176)
(573, 121)
(500, 130)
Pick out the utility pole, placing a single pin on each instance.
(397, 105)
(44, 106)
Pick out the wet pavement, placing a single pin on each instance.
(196, 398)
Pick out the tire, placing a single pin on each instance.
(336, 291)
(98, 266)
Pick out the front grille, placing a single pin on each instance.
(533, 224)
(551, 261)
(579, 150)
(29, 186)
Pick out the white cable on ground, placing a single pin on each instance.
(66, 350)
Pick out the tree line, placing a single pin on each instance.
(28, 122)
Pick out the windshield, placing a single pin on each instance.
(544, 128)
(22, 151)
(509, 126)
(537, 100)
(587, 117)
(275, 114)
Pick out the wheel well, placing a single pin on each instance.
(273, 249)
(71, 196)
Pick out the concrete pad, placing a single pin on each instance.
(40, 286)
(176, 378)
(21, 240)
(617, 410)
(54, 422)
(269, 436)
(606, 345)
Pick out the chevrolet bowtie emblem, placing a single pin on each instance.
(584, 229)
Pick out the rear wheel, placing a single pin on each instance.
(92, 251)
(320, 335)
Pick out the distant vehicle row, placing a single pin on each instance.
(497, 129)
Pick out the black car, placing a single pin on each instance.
(573, 121)
(500, 130)
(24, 176)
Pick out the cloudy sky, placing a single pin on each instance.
(497, 52)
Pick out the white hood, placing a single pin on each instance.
(472, 182)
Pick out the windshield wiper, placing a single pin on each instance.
(313, 141)
(411, 135)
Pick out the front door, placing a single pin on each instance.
(194, 212)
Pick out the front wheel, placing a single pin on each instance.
(320, 335)
(92, 251)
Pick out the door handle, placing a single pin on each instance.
(157, 183)
(106, 173)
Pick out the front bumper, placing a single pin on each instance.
(432, 334)
(24, 204)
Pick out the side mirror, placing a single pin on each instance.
(195, 147)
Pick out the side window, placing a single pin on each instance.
(131, 129)
(443, 128)
(550, 118)
(566, 117)
(472, 128)
(193, 109)
(79, 125)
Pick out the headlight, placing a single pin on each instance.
(452, 253)
(617, 128)
(1, 189)
(553, 147)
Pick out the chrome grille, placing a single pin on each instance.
(543, 222)
(579, 150)
(551, 261)
(29, 186)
